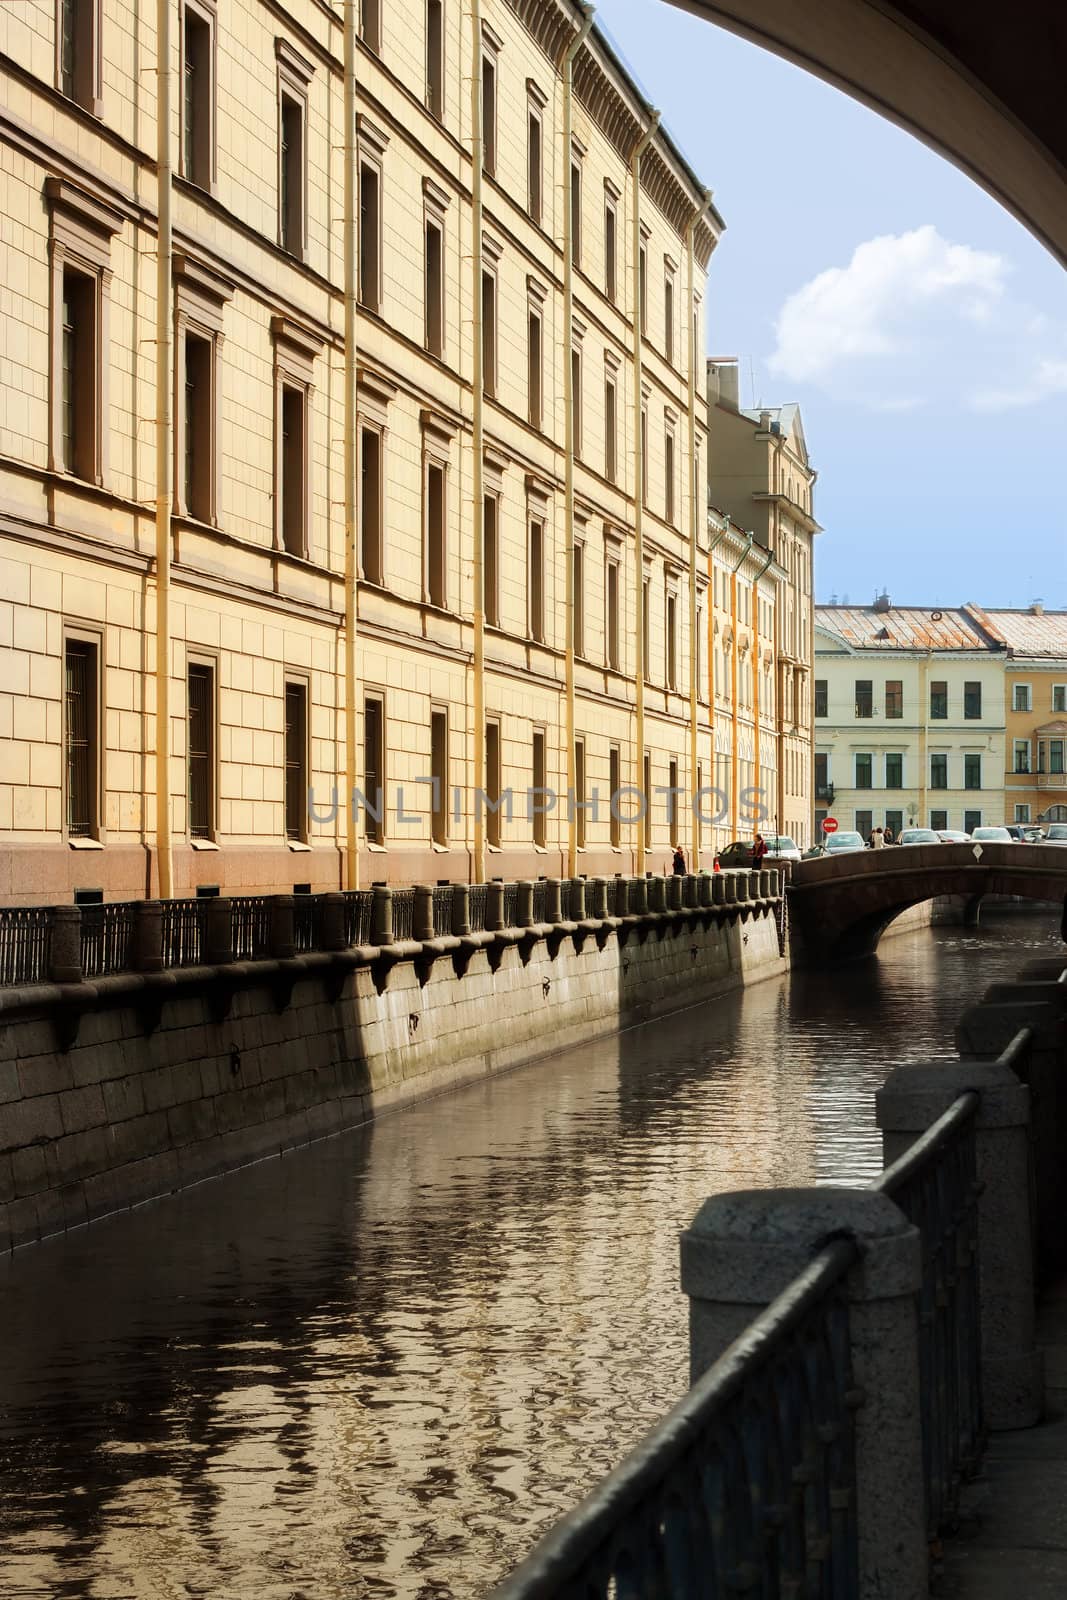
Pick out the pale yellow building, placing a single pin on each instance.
(524, 617)
(760, 475)
(1033, 647)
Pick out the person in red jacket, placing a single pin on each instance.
(759, 850)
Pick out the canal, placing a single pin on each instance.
(378, 1367)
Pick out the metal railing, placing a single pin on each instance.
(746, 1487)
(357, 916)
(935, 1184)
(478, 893)
(25, 944)
(106, 937)
(250, 922)
(403, 913)
(540, 890)
(182, 932)
(442, 909)
(307, 921)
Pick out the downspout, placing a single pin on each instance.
(694, 505)
(478, 444)
(712, 547)
(351, 423)
(733, 684)
(639, 489)
(758, 765)
(568, 424)
(164, 445)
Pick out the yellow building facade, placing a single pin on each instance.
(1033, 644)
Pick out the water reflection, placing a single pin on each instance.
(380, 1366)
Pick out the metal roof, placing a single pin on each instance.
(902, 628)
(1026, 633)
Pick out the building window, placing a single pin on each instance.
(864, 772)
(576, 212)
(434, 289)
(614, 785)
(642, 287)
(540, 788)
(493, 783)
(668, 316)
(371, 521)
(79, 388)
(435, 59)
(436, 543)
(939, 821)
(291, 165)
(82, 228)
(489, 333)
(972, 772)
(374, 770)
(198, 97)
(1055, 756)
(668, 474)
(822, 781)
(534, 367)
(579, 600)
(894, 770)
(821, 698)
(971, 820)
(370, 24)
(864, 697)
(938, 701)
(646, 775)
(972, 701)
(81, 711)
(201, 750)
(490, 560)
(292, 488)
(672, 641)
(489, 114)
(199, 428)
(611, 429)
(1022, 811)
(1022, 752)
(370, 224)
(894, 699)
(296, 761)
(646, 628)
(939, 772)
(1059, 697)
(534, 164)
(576, 402)
(1021, 697)
(894, 820)
(610, 248)
(611, 618)
(644, 456)
(672, 801)
(864, 823)
(579, 793)
(439, 776)
(536, 579)
(78, 52)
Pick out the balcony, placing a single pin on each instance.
(1051, 780)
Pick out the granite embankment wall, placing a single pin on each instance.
(132, 1087)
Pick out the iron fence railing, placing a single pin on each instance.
(935, 1184)
(746, 1487)
(478, 894)
(182, 932)
(511, 898)
(539, 892)
(357, 916)
(442, 909)
(307, 921)
(403, 913)
(250, 924)
(107, 937)
(25, 944)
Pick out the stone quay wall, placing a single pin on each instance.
(132, 1087)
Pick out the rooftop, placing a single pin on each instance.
(887, 627)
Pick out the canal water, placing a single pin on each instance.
(382, 1365)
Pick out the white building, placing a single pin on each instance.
(909, 719)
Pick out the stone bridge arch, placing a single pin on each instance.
(839, 906)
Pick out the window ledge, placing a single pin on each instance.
(439, 849)
(378, 849)
(203, 844)
(85, 844)
(297, 844)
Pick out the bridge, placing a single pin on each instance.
(839, 906)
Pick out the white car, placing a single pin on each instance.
(1057, 834)
(919, 836)
(992, 836)
(953, 836)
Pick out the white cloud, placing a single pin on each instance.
(1047, 378)
(877, 314)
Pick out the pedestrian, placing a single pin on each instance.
(878, 839)
(888, 836)
(759, 850)
(679, 862)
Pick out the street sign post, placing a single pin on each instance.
(829, 824)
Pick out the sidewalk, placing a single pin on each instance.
(1014, 1546)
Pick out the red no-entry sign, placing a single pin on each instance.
(829, 824)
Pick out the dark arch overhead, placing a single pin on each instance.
(979, 81)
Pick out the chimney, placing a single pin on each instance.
(724, 383)
(1037, 608)
(881, 601)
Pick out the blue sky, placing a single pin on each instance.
(921, 328)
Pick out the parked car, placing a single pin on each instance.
(736, 854)
(837, 844)
(992, 836)
(1025, 832)
(953, 836)
(779, 848)
(1057, 834)
(919, 836)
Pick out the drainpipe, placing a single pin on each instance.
(694, 505)
(478, 442)
(734, 816)
(351, 422)
(758, 770)
(639, 481)
(164, 444)
(568, 420)
(712, 547)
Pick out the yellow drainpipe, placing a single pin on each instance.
(351, 425)
(758, 765)
(734, 814)
(712, 547)
(164, 443)
(568, 421)
(639, 479)
(478, 442)
(694, 510)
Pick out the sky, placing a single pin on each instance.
(922, 330)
